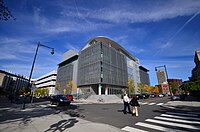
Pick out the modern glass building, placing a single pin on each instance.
(67, 71)
(103, 67)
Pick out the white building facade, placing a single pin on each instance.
(47, 81)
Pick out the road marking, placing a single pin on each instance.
(177, 120)
(184, 114)
(180, 117)
(151, 103)
(144, 103)
(160, 128)
(4, 108)
(197, 113)
(160, 104)
(131, 129)
(43, 106)
(173, 124)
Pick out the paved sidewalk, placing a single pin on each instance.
(38, 119)
(55, 123)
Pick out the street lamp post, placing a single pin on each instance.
(29, 79)
(166, 76)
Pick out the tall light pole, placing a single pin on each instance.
(29, 79)
(166, 75)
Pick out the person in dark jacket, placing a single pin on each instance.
(134, 103)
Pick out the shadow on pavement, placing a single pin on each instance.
(62, 125)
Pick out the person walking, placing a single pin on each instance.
(126, 104)
(134, 103)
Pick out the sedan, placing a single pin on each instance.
(176, 97)
(60, 100)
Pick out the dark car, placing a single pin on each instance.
(176, 97)
(70, 97)
(152, 95)
(60, 100)
(139, 96)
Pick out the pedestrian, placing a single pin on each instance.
(126, 104)
(134, 103)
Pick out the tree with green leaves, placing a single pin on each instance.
(140, 88)
(131, 86)
(173, 87)
(192, 87)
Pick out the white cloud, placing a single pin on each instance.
(132, 13)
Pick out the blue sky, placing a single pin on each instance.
(157, 32)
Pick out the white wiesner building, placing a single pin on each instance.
(47, 81)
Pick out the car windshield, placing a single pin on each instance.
(62, 96)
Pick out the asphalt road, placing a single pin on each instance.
(112, 113)
(149, 109)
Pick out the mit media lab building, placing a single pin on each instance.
(101, 67)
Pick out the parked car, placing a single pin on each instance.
(70, 97)
(60, 100)
(145, 96)
(160, 95)
(139, 96)
(176, 97)
(152, 95)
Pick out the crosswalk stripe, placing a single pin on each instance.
(184, 114)
(144, 103)
(151, 103)
(180, 117)
(131, 129)
(197, 113)
(177, 120)
(4, 108)
(160, 104)
(155, 127)
(173, 124)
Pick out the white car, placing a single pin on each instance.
(160, 95)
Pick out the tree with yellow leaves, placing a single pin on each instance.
(148, 88)
(155, 90)
(71, 87)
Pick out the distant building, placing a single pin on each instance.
(12, 82)
(179, 82)
(196, 70)
(161, 76)
(144, 76)
(47, 81)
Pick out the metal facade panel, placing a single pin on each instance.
(113, 66)
(101, 63)
(64, 75)
(89, 65)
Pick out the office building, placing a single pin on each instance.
(47, 81)
(196, 70)
(101, 67)
(10, 82)
(144, 76)
(67, 71)
(161, 76)
(178, 82)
